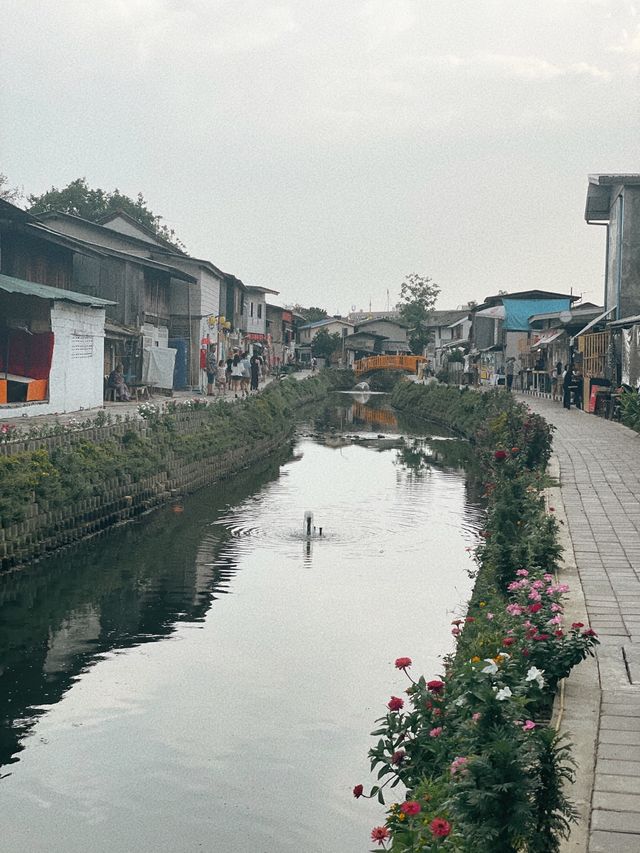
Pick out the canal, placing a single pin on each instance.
(207, 678)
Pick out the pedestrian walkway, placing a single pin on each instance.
(599, 465)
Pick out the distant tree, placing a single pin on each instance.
(80, 200)
(8, 193)
(311, 315)
(418, 295)
(325, 344)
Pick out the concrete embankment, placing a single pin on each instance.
(66, 487)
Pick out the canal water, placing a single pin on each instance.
(207, 679)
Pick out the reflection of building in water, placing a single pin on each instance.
(374, 416)
(78, 634)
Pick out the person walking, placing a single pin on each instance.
(567, 382)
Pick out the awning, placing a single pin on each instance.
(255, 336)
(547, 338)
(44, 291)
(593, 322)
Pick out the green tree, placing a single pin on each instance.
(311, 315)
(80, 200)
(418, 294)
(325, 344)
(10, 194)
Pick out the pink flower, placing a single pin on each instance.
(440, 827)
(515, 609)
(556, 608)
(489, 616)
(508, 641)
(523, 573)
(379, 834)
(534, 595)
(528, 725)
(458, 765)
(555, 620)
(395, 703)
(549, 578)
(410, 807)
(403, 663)
(398, 756)
(475, 717)
(538, 584)
(435, 686)
(357, 791)
(436, 732)
(456, 632)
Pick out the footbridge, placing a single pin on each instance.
(408, 363)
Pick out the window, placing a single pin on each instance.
(260, 311)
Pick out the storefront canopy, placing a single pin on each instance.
(518, 311)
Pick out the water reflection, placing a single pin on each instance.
(195, 681)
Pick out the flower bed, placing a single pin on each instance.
(480, 766)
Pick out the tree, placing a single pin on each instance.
(418, 295)
(80, 200)
(10, 194)
(325, 344)
(311, 315)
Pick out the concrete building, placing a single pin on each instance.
(613, 200)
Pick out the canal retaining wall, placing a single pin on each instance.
(153, 461)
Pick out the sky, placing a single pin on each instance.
(329, 148)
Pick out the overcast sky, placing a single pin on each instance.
(327, 148)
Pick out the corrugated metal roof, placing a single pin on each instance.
(43, 291)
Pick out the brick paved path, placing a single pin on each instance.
(600, 478)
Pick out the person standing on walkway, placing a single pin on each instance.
(246, 374)
(236, 374)
(567, 382)
(509, 372)
(221, 377)
(255, 372)
(211, 368)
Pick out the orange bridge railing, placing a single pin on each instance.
(388, 362)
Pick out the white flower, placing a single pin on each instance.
(460, 701)
(503, 694)
(535, 674)
(492, 667)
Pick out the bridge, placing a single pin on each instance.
(408, 363)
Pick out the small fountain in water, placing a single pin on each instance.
(308, 529)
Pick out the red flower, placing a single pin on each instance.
(410, 807)
(589, 633)
(559, 634)
(379, 834)
(499, 455)
(508, 641)
(357, 791)
(577, 625)
(435, 686)
(534, 608)
(395, 703)
(539, 637)
(403, 663)
(470, 619)
(440, 827)
(398, 756)
(515, 451)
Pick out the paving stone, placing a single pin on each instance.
(619, 752)
(616, 821)
(616, 801)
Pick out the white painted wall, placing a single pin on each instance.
(255, 324)
(76, 377)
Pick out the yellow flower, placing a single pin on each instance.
(475, 659)
(401, 816)
(483, 604)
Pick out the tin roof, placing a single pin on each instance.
(44, 291)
